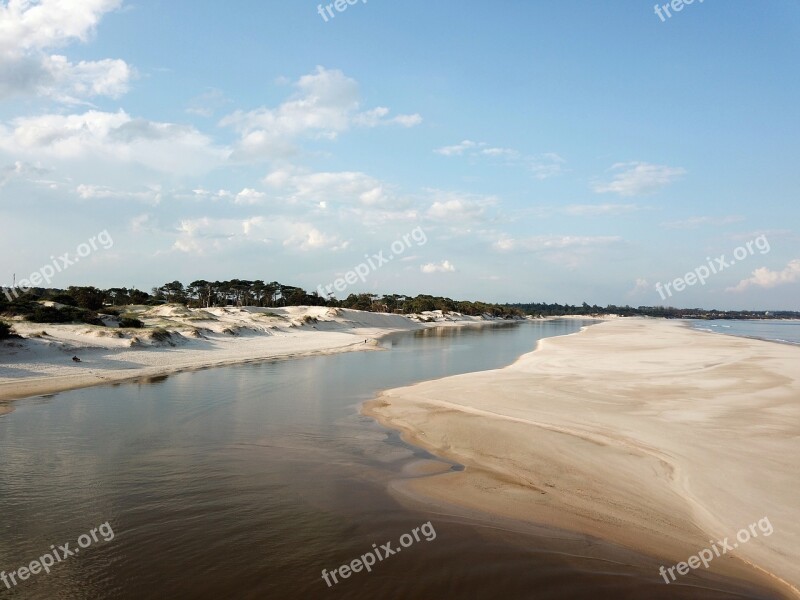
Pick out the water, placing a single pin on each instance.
(247, 481)
(787, 332)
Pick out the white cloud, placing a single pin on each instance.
(695, 222)
(94, 192)
(29, 28)
(22, 170)
(507, 152)
(116, 137)
(141, 223)
(637, 178)
(202, 194)
(765, 278)
(407, 120)
(326, 104)
(340, 187)
(565, 250)
(642, 286)
(553, 242)
(450, 206)
(351, 195)
(206, 235)
(593, 210)
(249, 196)
(443, 267)
(542, 166)
(305, 237)
(457, 149)
(377, 116)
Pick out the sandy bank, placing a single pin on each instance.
(641, 432)
(177, 339)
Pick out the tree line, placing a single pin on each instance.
(83, 303)
(87, 303)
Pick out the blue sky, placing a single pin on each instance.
(550, 151)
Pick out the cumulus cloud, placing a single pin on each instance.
(207, 234)
(29, 29)
(249, 196)
(305, 237)
(638, 178)
(104, 136)
(765, 278)
(451, 206)
(443, 267)
(352, 196)
(338, 187)
(326, 103)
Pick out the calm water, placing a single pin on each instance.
(247, 481)
(787, 332)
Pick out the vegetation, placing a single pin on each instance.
(81, 304)
(161, 335)
(131, 322)
(554, 310)
(5, 330)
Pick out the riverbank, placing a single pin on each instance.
(641, 432)
(177, 338)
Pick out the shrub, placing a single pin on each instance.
(131, 322)
(64, 299)
(69, 314)
(5, 330)
(161, 335)
(50, 314)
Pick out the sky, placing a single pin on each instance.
(507, 151)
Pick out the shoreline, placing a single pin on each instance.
(238, 336)
(688, 323)
(589, 435)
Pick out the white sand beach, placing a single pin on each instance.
(41, 363)
(637, 431)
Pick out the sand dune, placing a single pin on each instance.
(641, 432)
(177, 338)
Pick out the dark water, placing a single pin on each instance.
(787, 332)
(247, 481)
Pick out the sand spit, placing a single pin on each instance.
(641, 432)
